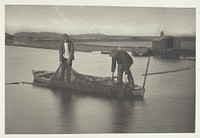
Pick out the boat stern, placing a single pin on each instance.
(138, 91)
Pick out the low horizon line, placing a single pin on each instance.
(100, 34)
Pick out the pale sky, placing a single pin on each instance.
(106, 20)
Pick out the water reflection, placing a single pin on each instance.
(66, 109)
(118, 117)
(124, 112)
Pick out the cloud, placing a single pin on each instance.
(106, 20)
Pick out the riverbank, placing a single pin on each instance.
(84, 46)
(102, 44)
(82, 42)
(88, 42)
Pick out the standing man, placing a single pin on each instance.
(124, 61)
(66, 55)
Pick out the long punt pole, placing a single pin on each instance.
(155, 73)
(147, 67)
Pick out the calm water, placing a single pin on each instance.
(123, 43)
(168, 104)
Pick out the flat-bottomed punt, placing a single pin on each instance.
(87, 84)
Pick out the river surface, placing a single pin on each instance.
(168, 105)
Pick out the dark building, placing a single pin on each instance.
(163, 44)
(173, 47)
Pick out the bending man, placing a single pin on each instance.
(124, 61)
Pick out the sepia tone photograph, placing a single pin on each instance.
(85, 69)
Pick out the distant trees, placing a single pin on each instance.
(8, 36)
(30, 37)
(135, 38)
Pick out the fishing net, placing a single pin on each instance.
(85, 83)
(82, 79)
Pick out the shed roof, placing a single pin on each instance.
(161, 38)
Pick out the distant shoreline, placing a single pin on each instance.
(30, 47)
(84, 42)
(81, 46)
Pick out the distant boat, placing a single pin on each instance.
(87, 84)
(96, 52)
(141, 51)
(104, 52)
(187, 58)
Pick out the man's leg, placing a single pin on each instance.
(63, 68)
(130, 78)
(68, 71)
(62, 74)
(120, 73)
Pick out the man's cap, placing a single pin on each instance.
(113, 52)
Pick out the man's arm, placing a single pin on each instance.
(71, 52)
(61, 52)
(113, 67)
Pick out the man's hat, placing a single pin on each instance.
(65, 36)
(113, 52)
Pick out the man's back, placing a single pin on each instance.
(124, 58)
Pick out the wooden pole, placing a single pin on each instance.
(35, 83)
(12, 82)
(32, 83)
(146, 72)
(155, 73)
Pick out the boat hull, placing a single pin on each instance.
(141, 51)
(105, 87)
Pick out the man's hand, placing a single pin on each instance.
(112, 75)
(126, 78)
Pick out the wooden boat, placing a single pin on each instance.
(104, 52)
(141, 51)
(87, 84)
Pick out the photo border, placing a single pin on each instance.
(134, 3)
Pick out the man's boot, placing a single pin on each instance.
(132, 85)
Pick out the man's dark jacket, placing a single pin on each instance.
(70, 48)
(122, 58)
